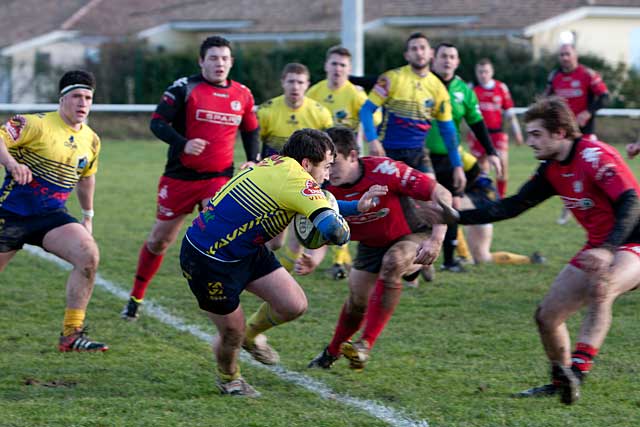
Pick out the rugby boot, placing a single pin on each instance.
(78, 341)
(339, 272)
(537, 258)
(238, 387)
(569, 386)
(324, 360)
(261, 351)
(541, 391)
(357, 352)
(131, 311)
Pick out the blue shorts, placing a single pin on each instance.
(18, 230)
(217, 285)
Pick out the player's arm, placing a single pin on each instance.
(429, 249)
(366, 82)
(171, 105)
(331, 225)
(86, 189)
(20, 173)
(532, 193)
(548, 90)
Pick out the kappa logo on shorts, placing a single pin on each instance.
(311, 189)
(216, 291)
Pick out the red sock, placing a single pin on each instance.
(148, 265)
(348, 324)
(502, 187)
(382, 303)
(582, 357)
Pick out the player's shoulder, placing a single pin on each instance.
(502, 85)
(316, 88)
(181, 83)
(553, 74)
(381, 166)
(272, 103)
(588, 71)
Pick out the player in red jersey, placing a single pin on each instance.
(392, 243)
(600, 190)
(495, 101)
(583, 89)
(199, 118)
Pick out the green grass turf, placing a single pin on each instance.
(452, 354)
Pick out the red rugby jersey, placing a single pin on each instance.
(578, 87)
(493, 101)
(385, 223)
(589, 182)
(196, 108)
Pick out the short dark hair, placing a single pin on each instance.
(344, 140)
(555, 115)
(484, 61)
(443, 45)
(295, 68)
(413, 36)
(77, 77)
(213, 41)
(308, 143)
(338, 50)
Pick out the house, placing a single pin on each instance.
(65, 33)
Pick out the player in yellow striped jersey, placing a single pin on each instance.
(224, 253)
(46, 156)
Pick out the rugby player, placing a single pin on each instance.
(46, 156)
(600, 190)
(198, 117)
(394, 241)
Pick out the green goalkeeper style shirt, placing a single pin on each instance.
(464, 104)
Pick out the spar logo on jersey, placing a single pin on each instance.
(312, 190)
(15, 125)
(577, 203)
(387, 168)
(592, 155)
(218, 118)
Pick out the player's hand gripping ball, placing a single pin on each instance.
(306, 233)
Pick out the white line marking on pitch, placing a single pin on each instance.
(384, 413)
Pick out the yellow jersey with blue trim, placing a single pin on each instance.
(409, 103)
(344, 103)
(278, 121)
(254, 207)
(58, 156)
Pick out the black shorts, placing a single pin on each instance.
(369, 259)
(18, 230)
(417, 158)
(217, 285)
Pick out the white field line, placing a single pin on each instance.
(391, 416)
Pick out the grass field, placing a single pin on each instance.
(452, 354)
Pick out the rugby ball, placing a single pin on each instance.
(306, 233)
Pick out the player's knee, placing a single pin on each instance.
(89, 259)
(394, 263)
(293, 310)
(158, 246)
(543, 320)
